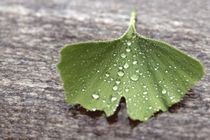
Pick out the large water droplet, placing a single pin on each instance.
(113, 98)
(95, 96)
(134, 77)
(126, 65)
(120, 73)
(123, 55)
(163, 91)
(115, 88)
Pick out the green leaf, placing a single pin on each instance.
(151, 75)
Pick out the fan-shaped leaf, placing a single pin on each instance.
(150, 74)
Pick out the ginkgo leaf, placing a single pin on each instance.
(151, 75)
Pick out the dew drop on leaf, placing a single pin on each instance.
(120, 73)
(123, 55)
(128, 50)
(134, 77)
(163, 91)
(95, 96)
(117, 82)
(134, 62)
(145, 93)
(126, 65)
(128, 43)
(93, 109)
(113, 98)
(115, 88)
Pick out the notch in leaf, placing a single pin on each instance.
(151, 75)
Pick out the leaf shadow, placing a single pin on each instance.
(77, 109)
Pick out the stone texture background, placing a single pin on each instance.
(32, 104)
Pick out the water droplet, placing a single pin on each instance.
(115, 88)
(171, 97)
(120, 68)
(95, 96)
(150, 107)
(123, 55)
(120, 73)
(107, 75)
(126, 90)
(145, 93)
(128, 43)
(93, 109)
(156, 68)
(163, 91)
(128, 50)
(134, 77)
(134, 62)
(126, 65)
(113, 98)
(117, 82)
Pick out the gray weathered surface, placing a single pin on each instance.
(31, 96)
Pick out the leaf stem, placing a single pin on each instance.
(132, 25)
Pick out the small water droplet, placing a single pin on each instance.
(123, 55)
(95, 96)
(120, 68)
(117, 82)
(126, 65)
(128, 43)
(156, 68)
(115, 88)
(134, 77)
(145, 93)
(150, 107)
(171, 97)
(126, 90)
(134, 62)
(120, 73)
(163, 91)
(93, 109)
(113, 98)
(128, 50)
(107, 75)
